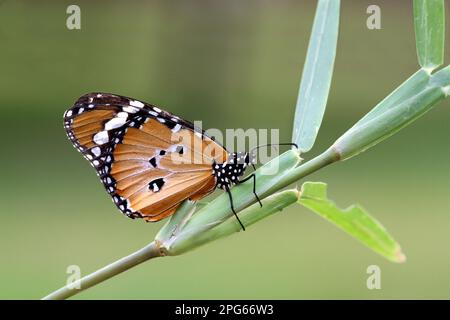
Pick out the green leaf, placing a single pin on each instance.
(416, 83)
(410, 101)
(317, 74)
(441, 78)
(415, 96)
(268, 177)
(270, 205)
(354, 220)
(429, 24)
(177, 220)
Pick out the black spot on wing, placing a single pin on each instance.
(180, 149)
(156, 185)
(153, 162)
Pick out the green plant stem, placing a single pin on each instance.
(250, 215)
(218, 211)
(153, 250)
(410, 101)
(329, 156)
(146, 253)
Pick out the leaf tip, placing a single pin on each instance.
(400, 257)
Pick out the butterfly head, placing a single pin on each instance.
(228, 173)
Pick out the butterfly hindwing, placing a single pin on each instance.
(146, 158)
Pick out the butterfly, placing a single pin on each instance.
(148, 159)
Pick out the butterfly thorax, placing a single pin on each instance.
(228, 173)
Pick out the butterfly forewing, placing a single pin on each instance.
(148, 159)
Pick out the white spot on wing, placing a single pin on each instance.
(122, 115)
(136, 103)
(115, 123)
(101, 138)
(96, 151)
(130, 109)
(176, 128)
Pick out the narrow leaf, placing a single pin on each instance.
(416, 83)
(429, 24)
(441, 78)
(410, 101)
(268, 178)
(248, 216)
(317, 74)
(177, 220)
(354, 220)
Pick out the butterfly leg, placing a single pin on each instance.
(232, 207)
(252, 176)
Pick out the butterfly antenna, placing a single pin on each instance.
(274, 145)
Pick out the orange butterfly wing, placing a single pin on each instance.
(148, 159)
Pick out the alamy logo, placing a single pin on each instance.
(74, 273)
(374, 20)
(73, 21)
(374, 279)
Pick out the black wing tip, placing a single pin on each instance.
(88, 101)
(91, 96)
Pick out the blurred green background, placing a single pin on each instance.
(232, 64)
